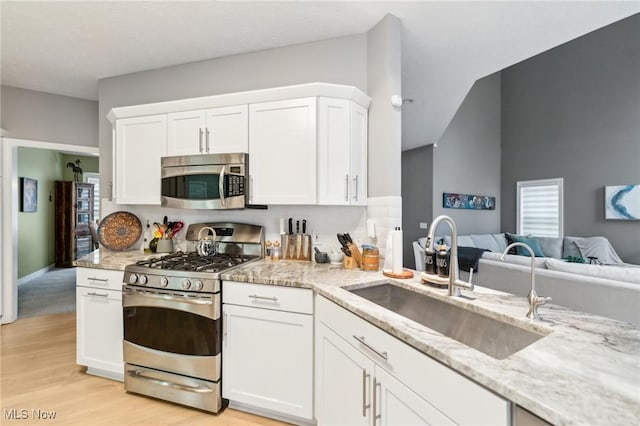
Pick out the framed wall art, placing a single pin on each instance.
(29, 195)
(622, 202)
(467, 201)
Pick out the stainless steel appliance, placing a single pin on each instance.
(209, 181)
(172, 321)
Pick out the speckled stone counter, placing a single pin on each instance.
(107, 259)
(585, 371)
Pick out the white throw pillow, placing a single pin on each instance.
(598, 247)
(624, 273)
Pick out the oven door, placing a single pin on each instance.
(178, 332)
(213, 186)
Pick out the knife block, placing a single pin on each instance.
(296, 247)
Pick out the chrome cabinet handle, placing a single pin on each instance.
(102, 280)
(360, 339)
(255, 296)
(97, 294)
(224, 324)
(207, 140)
(197, 389)
(355, 195)
(376, 385)
(223, 202)
(346, 188)
(365, 376)
(200, 140)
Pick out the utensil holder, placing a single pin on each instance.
(296, 247)
(165, 246)
(349, 263)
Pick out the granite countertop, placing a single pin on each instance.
(107, 259)
(585, 371)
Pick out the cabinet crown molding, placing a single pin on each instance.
(248, 97)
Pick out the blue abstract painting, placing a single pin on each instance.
(467, 201)
(622, 202)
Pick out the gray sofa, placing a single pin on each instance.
(611, 289)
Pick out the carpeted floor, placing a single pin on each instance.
(51, 293)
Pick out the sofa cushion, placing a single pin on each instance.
(463, 240)
(569, 248)
(528, 240)
(501, 240)
(485, 241)
(551, 247)
(599, 247)
(515, 259)
(630, 274)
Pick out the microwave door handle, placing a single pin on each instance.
(221, 187)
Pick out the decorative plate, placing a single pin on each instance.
(119, 230)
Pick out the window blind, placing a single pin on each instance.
(540, 208)
(94, 178)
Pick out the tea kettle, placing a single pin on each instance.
(206, 246)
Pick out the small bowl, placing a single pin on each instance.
(336, 258)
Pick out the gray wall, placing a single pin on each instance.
(467, 158)
(27, 114)
(417, 197)
(341, 61)
(574, 112)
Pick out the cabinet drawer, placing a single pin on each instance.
(268, 297)
(99, 278)
(444, 388)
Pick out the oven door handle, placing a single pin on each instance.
(223, 202)
(138, 374)
(209, 308)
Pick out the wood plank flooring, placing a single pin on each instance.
(39, 374)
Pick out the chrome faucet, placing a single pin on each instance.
(532, 297)
(454, 283)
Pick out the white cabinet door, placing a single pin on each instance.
(186, 132)
(99, 331)
(227, 129)
(358, 155)
(333, 151)
(282, 151)
(343, 381)
(268, 359)
(342, 152)
(395, 404)
(139, 144)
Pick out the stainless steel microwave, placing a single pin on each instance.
(210, 181)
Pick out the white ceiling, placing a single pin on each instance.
(66, 47)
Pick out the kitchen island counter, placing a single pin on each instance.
(585, 371)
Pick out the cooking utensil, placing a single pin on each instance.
(304, 226)
(206, 246)
(346, 251)
(290, 226)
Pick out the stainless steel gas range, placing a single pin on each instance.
(172, 320)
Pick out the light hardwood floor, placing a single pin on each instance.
(39, 372)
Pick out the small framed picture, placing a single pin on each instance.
(29, 191)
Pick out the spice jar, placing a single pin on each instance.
(275, 251)
(370, 259)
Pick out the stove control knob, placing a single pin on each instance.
(164, 282)
(198, 285)
(143, 279)
(186, 284)
(133, 278)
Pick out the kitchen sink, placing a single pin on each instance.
(495, 338)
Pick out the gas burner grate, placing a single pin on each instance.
(180, 261)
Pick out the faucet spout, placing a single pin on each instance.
(533, 298)
(454, 283)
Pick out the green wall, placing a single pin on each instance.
(35, 230)
(87, 164)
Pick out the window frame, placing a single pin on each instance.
(85, 179)
(559, 183)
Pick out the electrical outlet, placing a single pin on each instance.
(424, 225)
(316, 237)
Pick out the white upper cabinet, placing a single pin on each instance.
(139, 142)
(307, 143)
(212, 131)
(342, 152)
(282, 152)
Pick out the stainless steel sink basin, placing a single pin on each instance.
(490, 336)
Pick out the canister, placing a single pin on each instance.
(370, 259)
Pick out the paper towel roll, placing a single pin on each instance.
(396, 253)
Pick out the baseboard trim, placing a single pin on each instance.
(36, 274)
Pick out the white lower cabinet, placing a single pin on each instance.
(267, 352)
(366, 376)
(99, 322)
